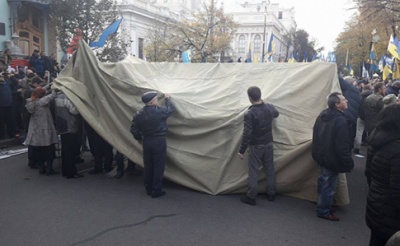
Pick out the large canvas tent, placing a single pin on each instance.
(205, 131)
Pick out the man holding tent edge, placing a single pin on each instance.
(257, 134)
(149, 127)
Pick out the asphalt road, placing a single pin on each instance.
(98, 210)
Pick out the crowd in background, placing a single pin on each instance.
(16, 86)
(373, 115)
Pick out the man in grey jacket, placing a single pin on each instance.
(68, 123)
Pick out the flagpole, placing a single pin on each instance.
(265, 27)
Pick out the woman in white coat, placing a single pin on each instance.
(42, 134)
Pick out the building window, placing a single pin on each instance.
(242, 44)
(36, 39)
(2, 28)
(280, 15)
(36, 21)
(24, 34)
(24, 45)
(257, 44)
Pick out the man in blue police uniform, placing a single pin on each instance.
(149, 127)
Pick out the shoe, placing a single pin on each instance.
(158, 194)
(356, 151)
(107, 170)
(330, 217)
(95, 171)
(270, 198)
(51, 172)
(119, 175)
(79, 160)
(42, 170)
(248, 200)
(33, 166)
(75, 176)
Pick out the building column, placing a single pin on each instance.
(46, 31)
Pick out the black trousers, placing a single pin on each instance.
(42, 154)
(119, 159)
(69, 141)
(7, 120)
(100, 148)
(154, 155)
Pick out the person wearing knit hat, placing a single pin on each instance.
(149, 127)
(389, 100)
(149, 96)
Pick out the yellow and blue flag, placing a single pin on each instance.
(271, 47)
(393, 47)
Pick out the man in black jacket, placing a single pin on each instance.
(257, 134)
(331, 150)
(149, 127)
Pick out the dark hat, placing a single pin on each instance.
(148, 96)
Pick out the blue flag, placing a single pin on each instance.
(314, 57)
(295, 56)
(103, 37)
(187, 56)
(248, 59)
(333, 56)
(305, 57)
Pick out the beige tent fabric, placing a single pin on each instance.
(205, 131)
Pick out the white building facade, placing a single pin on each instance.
(257, 21)
(140, 18)
(253, 16)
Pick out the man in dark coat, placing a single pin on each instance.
(257, 135)
(352, 94)
(6, 107)
(366, 91)
(149, 127)
(331, 150)
(383, 177)
(393, 89)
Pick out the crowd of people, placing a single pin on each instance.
(367, 112)
(16, 85)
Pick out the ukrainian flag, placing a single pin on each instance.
(392, 47)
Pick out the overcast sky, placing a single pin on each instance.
(322, 19)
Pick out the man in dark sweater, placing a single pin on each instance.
(149, 127)
(331, 149)
(257, 135)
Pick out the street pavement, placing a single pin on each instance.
(98, 210)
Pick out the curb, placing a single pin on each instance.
(10, 142)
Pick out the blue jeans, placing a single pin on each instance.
(327, 182)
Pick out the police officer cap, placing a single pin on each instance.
(148, 96)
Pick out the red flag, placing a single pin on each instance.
(75, 41)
